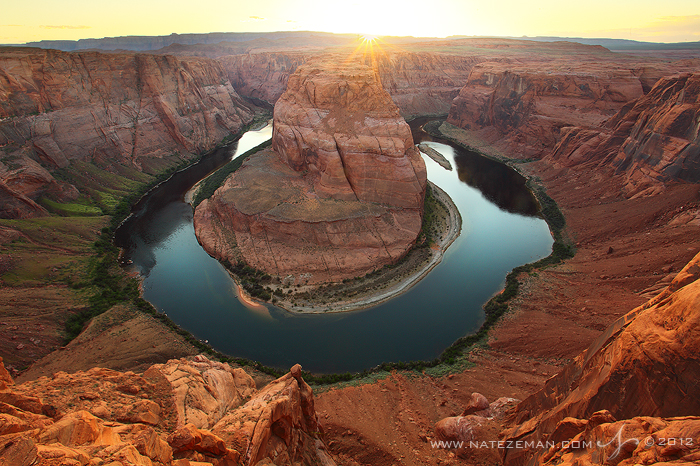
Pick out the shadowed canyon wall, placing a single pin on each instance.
(127, 110)
(522, 109)
(651, 140)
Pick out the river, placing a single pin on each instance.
(501, 230)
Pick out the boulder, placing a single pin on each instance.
(477, 403)
(469, 437)
(278, 422)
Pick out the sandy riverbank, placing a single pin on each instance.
(387, 283)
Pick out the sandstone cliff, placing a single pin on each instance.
(419, 82)
(262, 75)
(113, 110)
(340, 195)
(645, 364)
(651, 140)
(522, 108)
(179, 413)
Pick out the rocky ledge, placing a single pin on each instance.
(339, 195)
(184, 412)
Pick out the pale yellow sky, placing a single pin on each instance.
(646, 20)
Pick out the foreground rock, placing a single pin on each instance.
(122, 111)
(341, 193)
(183, 412)
(645, 364)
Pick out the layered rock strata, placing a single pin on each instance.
(341, 193)
(113, 110)
(651, 140)
(419, 83)
(522, 110)
(183, 412)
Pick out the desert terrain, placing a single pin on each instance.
(611, 137)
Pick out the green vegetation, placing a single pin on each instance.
(113, 192)
(82, 207)
(47, 250)
(216, 179)
(252, 280)
(431, 208)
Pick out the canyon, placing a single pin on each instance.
(122, 113)
(601, 342)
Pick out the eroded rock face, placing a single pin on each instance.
(277, 423)
(645, 364)
(523, 108)
(418, 83)
(340, 195)
(204, 390)
(262, 75)
(109, 109)
(109, 417)
(651, 140)
(337, 122)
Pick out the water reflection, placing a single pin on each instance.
(498, 183)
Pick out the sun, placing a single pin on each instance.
(368, 38)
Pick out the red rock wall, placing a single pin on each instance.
(419, 83)
(56, 107)
(523, 108)
(262, 75)
(342, 193)
(651, 140)
(337, 122)
(299, 238)
(645, 364)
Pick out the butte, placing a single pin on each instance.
(339, 194)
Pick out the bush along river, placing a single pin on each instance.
(501, 229)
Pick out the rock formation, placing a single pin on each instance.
(526, 106)
(651, 140)
(180, 413)
(419, 83)
(341, 193)
(114, 110)
(261, 75)
(645, 364)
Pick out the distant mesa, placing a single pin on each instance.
(340, 193)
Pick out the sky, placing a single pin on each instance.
(644, 20)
